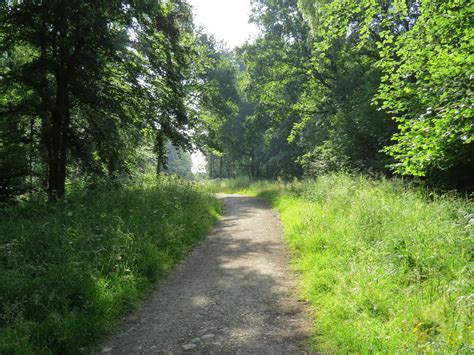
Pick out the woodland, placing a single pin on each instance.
(102, 102)
(93, 92)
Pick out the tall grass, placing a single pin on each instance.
(68, 272)
(243, 185)
(387, 267)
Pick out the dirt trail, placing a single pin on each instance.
(232, 294)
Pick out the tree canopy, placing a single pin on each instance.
(85, 83)
(372, 87)
(380, 87)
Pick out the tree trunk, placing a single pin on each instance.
(221, 167)
(55, 116)
(57, 137)
(160, 152)
(252, 166)
(211, 166)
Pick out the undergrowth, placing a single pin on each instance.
(68, 272)
(387, 267)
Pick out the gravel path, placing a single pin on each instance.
(232, 294)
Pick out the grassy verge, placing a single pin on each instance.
(387, 267)
(68, 273)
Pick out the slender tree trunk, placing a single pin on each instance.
(57, 135)
(55, 117)
(160, 152)
(43, 93)
(57, 150)
(221, 167)
(252, 165)
(158, 167)
(31, 152)
(55, 110)
(211, 166)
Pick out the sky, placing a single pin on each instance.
(226, 20)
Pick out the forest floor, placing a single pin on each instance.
(234, 293)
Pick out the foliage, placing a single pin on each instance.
(378, 87)
(83, 84)
(428, 88)
(310, 98)
(349, 131)
(219, 104)
(386, 266)
(69, 272)
(419, 52)
(276, 72)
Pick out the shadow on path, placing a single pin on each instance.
(232, 294)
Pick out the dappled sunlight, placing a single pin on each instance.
(234, 288)
(200, 301)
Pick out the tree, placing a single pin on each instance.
(427, 87)
(346, 36)
(218, 103)
(96, 76)
(68, 43)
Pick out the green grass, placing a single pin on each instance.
(68, 272)
(387, 267)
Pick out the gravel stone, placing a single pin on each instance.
(189, 346)
(207, 336)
